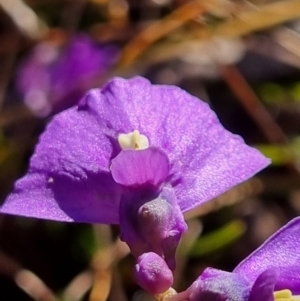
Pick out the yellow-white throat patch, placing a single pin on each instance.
(133, 140)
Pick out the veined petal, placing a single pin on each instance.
(280, 251)
(64, 198)
(206, 159)
(135, 168)
(220, 165)
(80, 144)
(74, 143)
(73, 156)
(33, 199)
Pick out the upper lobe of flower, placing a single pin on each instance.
(83, 166)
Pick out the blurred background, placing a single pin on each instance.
(242, 57)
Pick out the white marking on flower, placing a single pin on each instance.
(133, 140)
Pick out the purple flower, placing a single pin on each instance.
(271, 272)
(51, 79)
(137, 155)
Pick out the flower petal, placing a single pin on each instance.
(80, 143)
(64, 198)
(74, 151)
(135, 168)
(280, 251)
(289, 278)
(206, 159)
(32, 198)
(221, 165)
(263, 287)
(74, 143)
(217, 285)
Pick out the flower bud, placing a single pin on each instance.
(153, 274)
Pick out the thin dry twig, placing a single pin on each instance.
(102, 264)
(100, 275)
(118, 291)
(25, 279)
(78, 287)
(252, 104)
(271, 46)
(265, 16)
(288, 39)
(163, 27)
(243, 23)
(256, 109)
(24, 17)
(102, 285)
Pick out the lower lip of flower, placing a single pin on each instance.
(285, 295)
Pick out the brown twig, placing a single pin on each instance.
(256, 109)
(25, 279)
(252, 104)
(104, 261)
(100, 275)
(265, 16)
(243, 23)
(163, 27)
(288, 39)
(79, 286)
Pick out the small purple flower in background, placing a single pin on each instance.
(52, 79)
(133, 154)
(270, 273)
